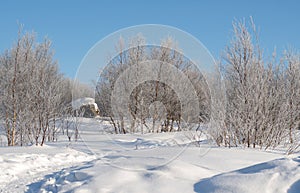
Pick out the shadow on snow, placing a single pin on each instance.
(53, 182)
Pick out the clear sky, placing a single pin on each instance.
(75, 26)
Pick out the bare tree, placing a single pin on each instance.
(262, 105)
(31, 90)
(292, 76)
(127, 68)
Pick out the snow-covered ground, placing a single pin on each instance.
(164, 162)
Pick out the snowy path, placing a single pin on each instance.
(21, 166)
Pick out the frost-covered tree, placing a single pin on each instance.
(292, 90)
(262, 106)
(243, 69)
(149, 99)
(30, 84)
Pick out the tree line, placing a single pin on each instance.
(154, 105)
(256, 99)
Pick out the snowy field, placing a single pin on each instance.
(165, 162)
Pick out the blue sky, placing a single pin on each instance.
(75, 26)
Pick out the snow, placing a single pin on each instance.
(23, 165)
(133, 163)
(76, 104)
(279, 175)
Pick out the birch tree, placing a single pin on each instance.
(147, 96)
(262, 105)
(30, 85)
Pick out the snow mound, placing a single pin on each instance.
(279, 175)
(76, 104)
